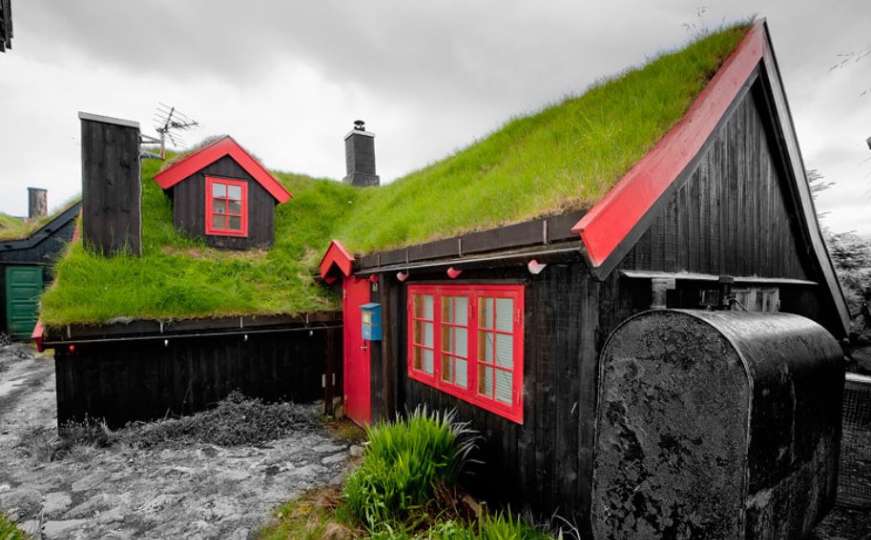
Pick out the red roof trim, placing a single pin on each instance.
(611, 220)
(207, 155)
(38, 336)
(336, 256)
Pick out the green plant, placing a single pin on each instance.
(403, 464)
(9, 531)
(505, 526)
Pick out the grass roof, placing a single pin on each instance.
(564, 157)
(18, 228)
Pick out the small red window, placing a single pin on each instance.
(226, 207)
(467, 341)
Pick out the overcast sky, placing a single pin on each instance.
(287, 79)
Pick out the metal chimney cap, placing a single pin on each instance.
(359, 125)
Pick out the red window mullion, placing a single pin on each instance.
(213, 203)
(474, 294)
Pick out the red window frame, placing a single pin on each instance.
(211, 207)
(476, 293)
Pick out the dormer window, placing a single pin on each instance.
(221, 194)
(226, 207)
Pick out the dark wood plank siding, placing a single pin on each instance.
(142, 380)
(732, 215)
(189, 207)
(111, 218)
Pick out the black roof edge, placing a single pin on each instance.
(536, 232)
(43, 232)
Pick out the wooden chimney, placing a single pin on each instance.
(111, 190)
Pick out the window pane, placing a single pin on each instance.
(234, 192)
(428, 338)
(460, 341)
(417, 361)
(219, 221)
(505, 351)
(462, 374)
(455, 340)
(219, 191)
(418, 332)
(503, 386)
(447, 374)
(219, 207)
(485, 346)
(427, 361)
(447, 339)
(235, 207)
(505, 314)
(423, 306)
(447, 309)
(485, 381)
(236, 223)
(461, 310)
(485, 312)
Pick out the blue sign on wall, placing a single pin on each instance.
(371, 320)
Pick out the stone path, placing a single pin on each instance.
(201, 491)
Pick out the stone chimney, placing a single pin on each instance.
(111, 190)
(37, 203)
(360, 156)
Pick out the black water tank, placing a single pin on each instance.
(716, 424)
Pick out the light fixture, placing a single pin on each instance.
(535, 267)
(401, 276)
(454, 273)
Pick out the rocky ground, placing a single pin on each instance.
(190, 490)
(142, 486)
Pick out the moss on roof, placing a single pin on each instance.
(564, 157)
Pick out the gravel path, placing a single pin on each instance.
(197, 491)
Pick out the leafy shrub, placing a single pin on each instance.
(403, 465)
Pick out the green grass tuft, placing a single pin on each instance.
(9, 531)
(564, 157)
(18, 228)
(403, 465)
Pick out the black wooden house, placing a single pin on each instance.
(26, 263)
(506, 325)
(224, 195)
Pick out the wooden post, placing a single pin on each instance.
(333, 344)
(388, 348)
(111, 189)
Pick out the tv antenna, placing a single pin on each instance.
(169, 123)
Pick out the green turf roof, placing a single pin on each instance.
(19, 228)
(564, 157)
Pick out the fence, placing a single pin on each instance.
(854, 479)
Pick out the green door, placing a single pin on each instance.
(23, 287)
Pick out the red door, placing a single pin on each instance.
(355, 292)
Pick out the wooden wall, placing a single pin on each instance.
(189, 207)
(143, 380)
(730, 216)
